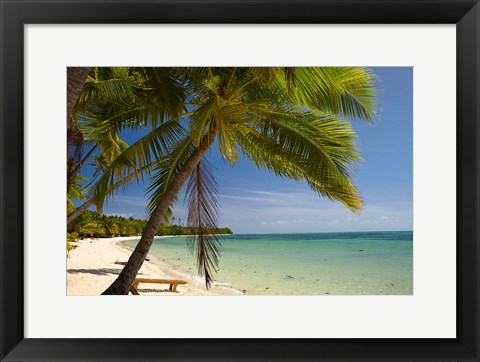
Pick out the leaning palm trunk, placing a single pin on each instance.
(77, 168)
(75, 213)
(124, 281)
(76, 77)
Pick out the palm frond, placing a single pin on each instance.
(128, 100)
(163, 89)
(210, 116)
(201, 196)
(117, 90)
(319, 140)
(348, 91)
(265, 75)
(75, 192)
(167, 169)
(148, 150)
(268, 156)
(75, 145)
(306, 147)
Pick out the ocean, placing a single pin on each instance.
(353, 263)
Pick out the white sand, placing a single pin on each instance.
(91, 269)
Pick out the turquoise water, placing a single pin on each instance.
(356, 263)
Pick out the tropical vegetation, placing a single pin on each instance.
(294, 122)
(91, 224)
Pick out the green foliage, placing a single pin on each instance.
(95, 225)
(70, 247)
(71, 237)
(179, 230)
(114, 99)
(75, 192)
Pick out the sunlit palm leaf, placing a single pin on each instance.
(116, 90)
(348, 91)
(319, 139)
(148, 150)
(320, 151)
(167, 169)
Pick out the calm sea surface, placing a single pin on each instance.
(356, 263)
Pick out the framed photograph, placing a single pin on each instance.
(269, 180)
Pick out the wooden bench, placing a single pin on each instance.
(125, 263)
(172, 288)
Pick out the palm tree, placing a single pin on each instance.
(76, 77)
(76, 191)
(287, 120)
(111, 227)
(113, 99)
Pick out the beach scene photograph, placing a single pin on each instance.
(239, 181)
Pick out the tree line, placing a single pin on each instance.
(91, 224)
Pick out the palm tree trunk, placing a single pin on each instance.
(75, 213)
(82, 162)
(124, 281)
(76, 77)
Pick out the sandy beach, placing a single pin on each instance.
(91, 269)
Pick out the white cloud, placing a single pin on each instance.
(263, 211)
(268, 193)
(305, 216)
(248, 198)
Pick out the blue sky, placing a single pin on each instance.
(254, 201)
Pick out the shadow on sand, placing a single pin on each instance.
(101, 271)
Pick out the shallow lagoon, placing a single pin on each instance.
(361, 263)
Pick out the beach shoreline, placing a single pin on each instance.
(91, 269)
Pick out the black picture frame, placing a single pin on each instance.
(15, 13)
